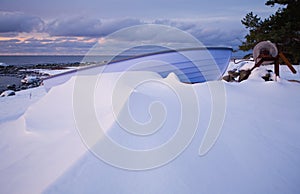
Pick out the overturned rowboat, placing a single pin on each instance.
(191, 65)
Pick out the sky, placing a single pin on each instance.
(72, 27)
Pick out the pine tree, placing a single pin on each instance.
(282, 28)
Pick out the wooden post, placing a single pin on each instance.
(287, 62)
(257, 64)
(276, 67)
(275, 60)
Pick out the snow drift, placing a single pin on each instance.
(258, 150)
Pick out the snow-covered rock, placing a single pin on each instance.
(259, 74)
(30, 80)
(3, 65)
(7, 93)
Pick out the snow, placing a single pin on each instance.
(7, 93)
(12, 107)
(53, 71)
(3, 64)
(285, 72)
(30, 79)
(257, 151)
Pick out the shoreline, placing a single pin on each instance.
(11, 76)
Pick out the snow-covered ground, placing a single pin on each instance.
(257, 151)
(12, 107)
(285, 72)
(53, 72)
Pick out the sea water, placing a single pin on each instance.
(37, 59)
(27, 61)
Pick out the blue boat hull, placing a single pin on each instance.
(190, 65)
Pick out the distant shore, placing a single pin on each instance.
(11, 76)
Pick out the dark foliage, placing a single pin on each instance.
(282, 28)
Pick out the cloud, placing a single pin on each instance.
(183, 25)
(166, 36)
(204, 30)
(207, 33)
(78, 35)
(19, 22)
(89, 27)
(8, 34)
(46, 46)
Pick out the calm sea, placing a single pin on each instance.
(35, 60)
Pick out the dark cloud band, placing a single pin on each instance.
(65, 32)
(19, 22)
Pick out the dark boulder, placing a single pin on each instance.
(228, 78)
(233, 73)
(244, 74)
(11, 87)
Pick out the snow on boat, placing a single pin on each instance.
(192, 65)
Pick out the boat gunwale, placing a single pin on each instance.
(140, 56)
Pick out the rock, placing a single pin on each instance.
(23, 87)
(2, 65)
(11, 87)
(244, 74)
(267, 77)
(8, 93)
(233, 73)
(30, 80)
(228, 78)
